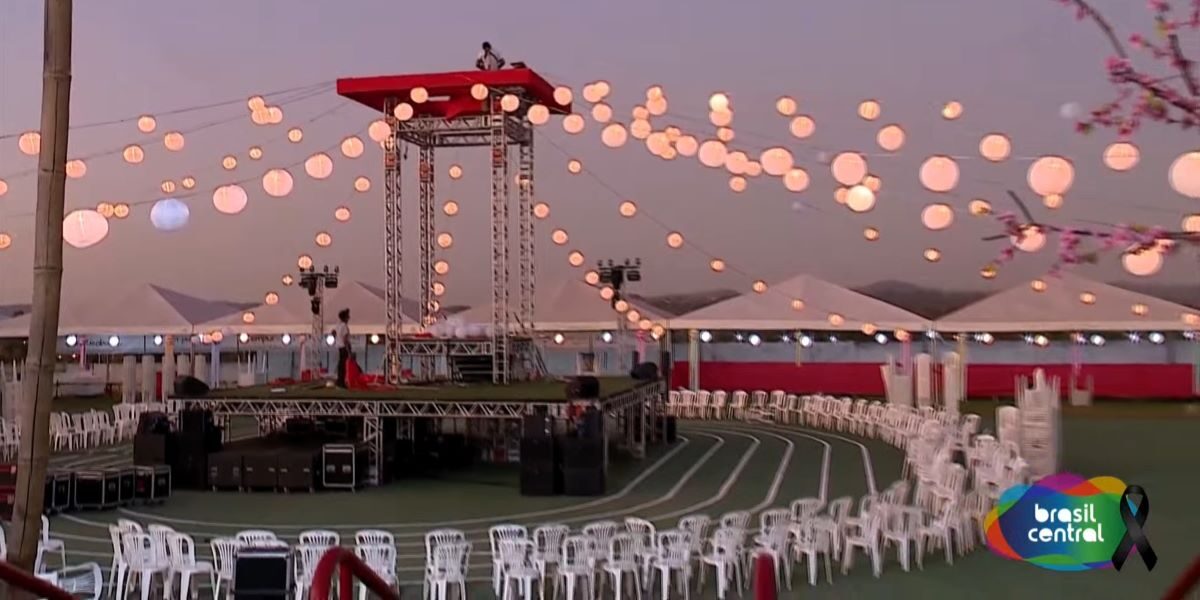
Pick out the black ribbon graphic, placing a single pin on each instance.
(1135, 536)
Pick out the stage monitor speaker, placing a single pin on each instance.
(537, 426)
(190, 469)
(580, 453)
(154, 422)
(583, 387)
(262, 574)
(583, 481)
(195, 421)
(646, 371)
(154, 449)
(190, 387)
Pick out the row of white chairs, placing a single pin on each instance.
(83, 580)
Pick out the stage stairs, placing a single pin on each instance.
(478, 368)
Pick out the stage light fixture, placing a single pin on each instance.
(71, 341)
(244, 337)
(114, 341)
(607, 337)
(706, 336)
(286, 339)
(1097, 340)
(833, 339)
(558, 338)
(806, 341)
(881, 338)
(158, 340)
(1157, 338)
(374, 338)
(754, 339)
(329, 339)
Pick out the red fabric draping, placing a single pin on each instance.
(864, 379)
(764, 577)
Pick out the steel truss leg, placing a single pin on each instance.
(499, 205)
(373, 438)
(525, 234)
(317, 334)
(429, 310)
(392, 253)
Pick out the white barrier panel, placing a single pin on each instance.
(952, 381)
(924, 376)
(168, 376)
(183, 365)
(148, 385)
(200, 369)
(129, 378)
(897, 385)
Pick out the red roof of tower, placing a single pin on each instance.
(449, 93)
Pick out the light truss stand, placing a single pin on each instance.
(393, 242)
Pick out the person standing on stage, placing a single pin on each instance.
(489, 60)
(341, 337)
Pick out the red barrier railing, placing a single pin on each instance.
(349, 567)
(1186, 582)
(38, 587)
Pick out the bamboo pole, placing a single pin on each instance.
(34, 453)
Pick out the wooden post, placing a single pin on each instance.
(34, 452)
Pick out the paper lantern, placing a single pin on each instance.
(274, 115)
(509, 103)
(657, 106)
(256, 103)
(737, 183)
(1032, 239)
(1121, 156)
(1140, 310)
(932, 254)
(785, 106)
(725, 134)
(146, 124)
(287, 279)
(341, 214)
(362, 184)
(687, 145)
(1184, 175)
(230, 199)
(849, 168)
(995, 147)
(173, 141)
(718, 102)
(952, 110)
(759, 286)
(736, 161)
(988, 272)
(796, 180)
(640, 129)
(712, 153)
(627, 209)
(379, 131)
(121, 210)
(30, 143)
(84, 228)
(839, 195)
(836, 320)
(248, 317)
(352, 147)
(319, 166)
(479, 91)
(573, 124)
(559, 236)
(403, 111)
(575, 258)
(260, 116)
(105, 209)
(295, 135)
(541, 210)
(776, 161)
(76, 168)
(633, 316)
(870, 234)
(860, 198)
(873, 183)
(621, 306)
(455, 171)
(5, 241)
(255, 153)
(323, 239)
(1037, 285)
(169, 214)
(720, 118)
(3, 187)
(1190, 223)
(562, 95)
(229, 162)
(1087, 298)
(602, 113)
(1142, 262)
(444, 240)
(674, 240)
(613, 135)
(591, 93)
(277, 183)
(890, 137)
(441, 267)
(438, 288)
(937, 216)
(753, 168)
(188, 182)
(1050, 175)
(717, 265)
(574, 166)
(657, 143)
(1053, 201)
(304, 261)
(450, 208)
(167, 186)
(133, 154)
(538, 114)
(979, 207)
(802, 126)
(418, 95)
(939, 174)
(869, 110)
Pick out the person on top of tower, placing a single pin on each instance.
(489, 60)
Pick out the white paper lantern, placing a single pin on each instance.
(995, 147)
(403, 111)
(687, 145)
(785, 106)
(890, 137)
(319, 166)
(736, 161)
(860, 199)
(352, 147)
(1185, 174)
(1190, 223)
(602, 113)
(720, 118)
(776, 161)
(712, 153)
(84, 228)
(379, 131)
(939, 174)
(796, 180)
(538, 114)
(30, 143)
(937, 216)
(230, 199)
(510, 103)
(573, 124)
(277, 183)
(1142, 262)
(802, 126)
(1121, 156)
(613, 135)
(849, 168)
(169, 214)
(173, 141)
(1031, 240)
(868, 110)
(1051, 175)
(479, 91)
(563, 95)
(76, 168)
(737, 183)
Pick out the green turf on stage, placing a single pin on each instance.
(532, 391)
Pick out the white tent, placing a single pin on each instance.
(774, 310)
(290, 315)
(1060, 307)
(570, 305)
(368, 310)
(71, 319)
(144, 310)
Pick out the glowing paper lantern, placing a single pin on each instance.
(352, 147)
(717, 265)
(188, 182)
(1190, 223)
(836, 320)
(796, 180)
(146, 124)
(602, 113)
(173, 141)
(939, 173)
(538, 114)
(776, 161)
(229, 163)
(1121, 156)
(613, 135)
(479, 91)
(687, 145)
(304, 261)
(255, 153)
(76, 168)
(5, 241)
(277, 183)
(403, 111)
(995, 147)
(1053, 201)
(785, 106)
(167, 186)
(438, 288)
(871, 234)
(759, 286)
(873, 183)
(1050, 175)
(988, 272)
(725, 134)
(860, 199)
(1032, 239)
(133, 154)
(979, 207)
(84, 228)
(230, 199)
(274, 115)
(718, 102)
(105, 209)
(890, 138)
(169, 214)
(563, 95)
(839, 195)
(509, 103)
(802, 126)
(737, 183)
(559, 236)
(1139, 309)
(271, 298)
(450, 208)
(952, 110)
(1087, 298)
(1142, 262)
(932, 254)
(323, 239)
(379, 131)
(657, 143)
(868, 110)
(295, 134)
(1185, 174)
(121, 210)
(445, 240)
(541, 210)
(674, 240)
(657, 106)
(573, 124)
(712, 153)
(720, 118)
(849, 168)
(362, 184)
(627, 209)
(247, 318)
(30, 143)
(753, 168)
(319, 166)
(654, 91)
(575, 258)
(937, 216)
(419, 95)
(640, 129)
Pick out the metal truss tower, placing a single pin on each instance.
(393, 242)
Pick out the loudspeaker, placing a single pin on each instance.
(537, 426)
(262, 574)
(646, 371)
(190, 387)
(190, 469)
(583, 453)
(583, 387)
(154, 422)
(541, 467)
(154, 449)
(195, 421)
(590, 424)
(583, 481)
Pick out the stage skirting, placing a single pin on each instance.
(864, 379)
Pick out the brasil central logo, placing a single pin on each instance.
(1067, 523)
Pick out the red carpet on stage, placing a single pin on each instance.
(864, 379)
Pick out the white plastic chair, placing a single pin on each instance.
(374, 537)
(182, 551)
(257, 538)
(625, 560)
(48, 544)
(86, 580)
(381, 558)
(674, 557)
(307, 557)
(224, 552)
(575, 567)
(516, 565)
(449, 565)
(547, 550)
(498, 534)
(863, 533)
(141, 553)
(320, 537)
(723, 553)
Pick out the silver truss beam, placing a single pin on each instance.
(393, 246)
(525, 235)
(427, 177)
(447, 347)
(499, 222)
(317, 334)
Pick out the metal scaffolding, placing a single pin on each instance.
(393, 242)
